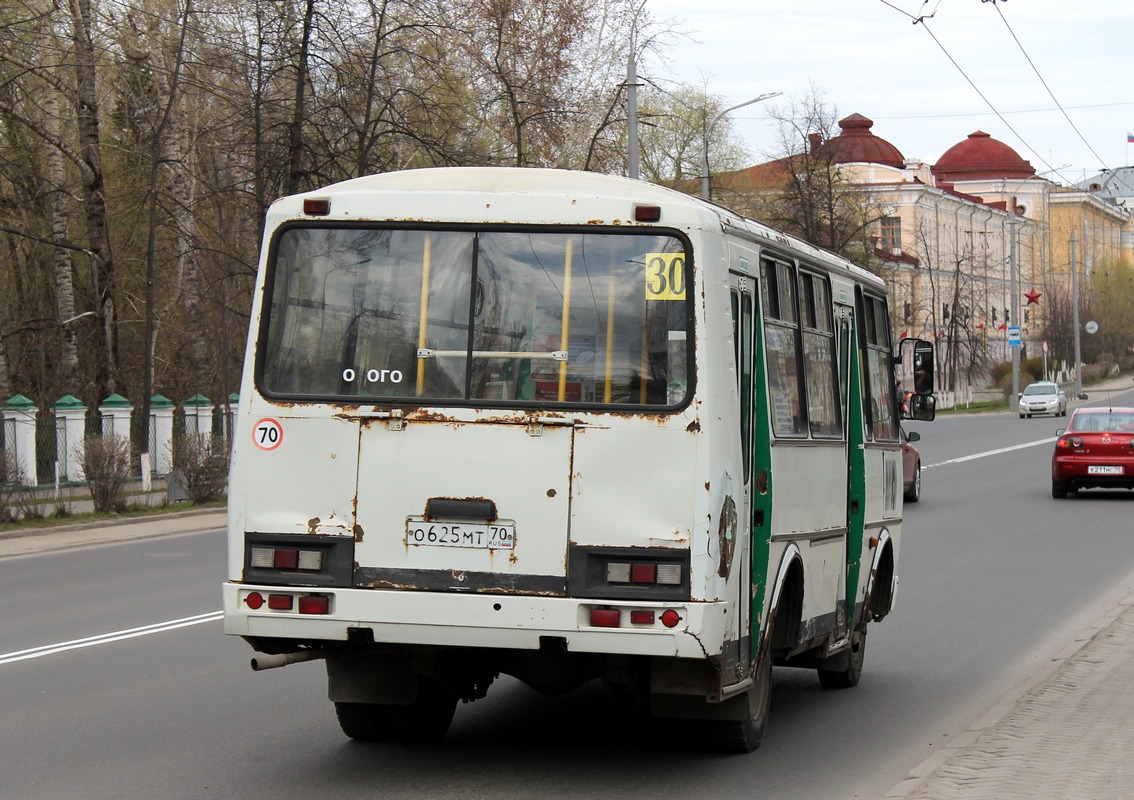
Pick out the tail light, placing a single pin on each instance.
(286, 558)
(628, 573)
(303, 603)
(643, 573)
(1069, 441)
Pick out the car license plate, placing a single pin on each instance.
(473, 535)
(1104, 470)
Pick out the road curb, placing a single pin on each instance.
(21, 533)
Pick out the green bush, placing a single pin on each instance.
(203, 463)
(12, 488)
(106, 464)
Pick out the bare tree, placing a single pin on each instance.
(814, 198)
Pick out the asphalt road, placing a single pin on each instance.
(116, 681)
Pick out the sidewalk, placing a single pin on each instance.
(26, 541)
(1067, 736)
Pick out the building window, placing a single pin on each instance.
(890, 240)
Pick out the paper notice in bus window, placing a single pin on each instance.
(665, 276)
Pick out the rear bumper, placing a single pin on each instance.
(448, 619)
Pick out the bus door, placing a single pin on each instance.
(853, 428)
(751, 583)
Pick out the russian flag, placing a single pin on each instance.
(1129, 137)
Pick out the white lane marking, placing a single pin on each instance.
(107, 638)
(987, 453)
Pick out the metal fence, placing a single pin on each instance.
(53, 442)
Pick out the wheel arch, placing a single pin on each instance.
(785, 613)
(882, 579)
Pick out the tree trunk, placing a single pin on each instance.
(94, 199)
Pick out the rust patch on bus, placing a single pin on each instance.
(358, 533)
(312, 524)
(694, 426)
(726, 536)
(551, 493)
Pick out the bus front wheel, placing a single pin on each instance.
(849, 667)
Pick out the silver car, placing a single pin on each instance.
(1043, 397)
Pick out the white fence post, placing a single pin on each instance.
(73, 441)
(19, 436)
(161, 431)
(199, 415)
(116, 411)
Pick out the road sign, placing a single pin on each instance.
(1014, 336)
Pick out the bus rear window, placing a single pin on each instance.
(447, 316)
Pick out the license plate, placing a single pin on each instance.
(472, 535)
(1104, 470)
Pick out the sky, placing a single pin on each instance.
(1053, 79)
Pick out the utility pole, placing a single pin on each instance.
(1075, 319)
(1014, 399)
(632, 112)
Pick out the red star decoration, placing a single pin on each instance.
(1033, 296)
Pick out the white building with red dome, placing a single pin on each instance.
(950, 235)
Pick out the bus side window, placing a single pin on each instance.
(781, 342)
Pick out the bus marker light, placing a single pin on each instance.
(280, 602)
(647, 213)
(606, 618)
(254, 600)
(262, 557)
(642, 617)
(316, 206)
(314, 604)
(670, 618)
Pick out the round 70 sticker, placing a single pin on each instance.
(267, 434)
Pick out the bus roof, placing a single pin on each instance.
(535, 196)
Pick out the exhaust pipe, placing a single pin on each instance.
(263, 662)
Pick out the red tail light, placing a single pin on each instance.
(314, 604)
(606, 618)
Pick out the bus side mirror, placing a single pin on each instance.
(916, 358)
(923, 366)
(922, 407)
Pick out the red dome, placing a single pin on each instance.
(856, 144)
(981, 157)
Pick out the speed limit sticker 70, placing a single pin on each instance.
(267, 434)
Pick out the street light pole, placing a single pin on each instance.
(706, 129)
(1014, 400)
(1075, 319)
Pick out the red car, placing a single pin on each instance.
(1095, 451)
(911, 466)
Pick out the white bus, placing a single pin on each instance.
(565, 427)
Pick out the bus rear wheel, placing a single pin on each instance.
(427, 719)
(744, 735)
